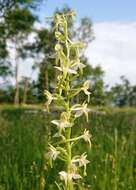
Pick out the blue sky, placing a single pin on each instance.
(114, 26)
(98, 10)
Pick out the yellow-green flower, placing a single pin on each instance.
(62, 124)
(85, 89)
(49, 96)
(66, 69)
(80, 110)
(77, 65)
(82, 161)
(87, 137)
(68, 176)
(52, 154)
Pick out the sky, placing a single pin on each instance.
(97, 10)
(114, 25)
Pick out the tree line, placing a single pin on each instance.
(17, 24)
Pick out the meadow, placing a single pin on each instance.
(24, 136)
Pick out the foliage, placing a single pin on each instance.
(5, 65)
(16, 26)
(24, 135)
(8, 5)
(123, 94)
(19, 22)
(5, 69)
(45, 45)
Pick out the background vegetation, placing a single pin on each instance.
(17, 26)
(24, 135)
(24, 132)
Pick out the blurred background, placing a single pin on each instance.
(27, 44)
(27, 60)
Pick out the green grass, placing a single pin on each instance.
(24, 136)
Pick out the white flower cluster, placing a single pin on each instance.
(69, 68)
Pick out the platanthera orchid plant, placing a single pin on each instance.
(69, 69)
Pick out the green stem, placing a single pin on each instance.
(70, 184)
(68, 144)
(68, 131)
(68, 137)
(69, 140)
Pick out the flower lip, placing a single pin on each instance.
(52, 154)
(82, 161)
(49, 96)
(62, 124)
(78, 65)
(68, 176)
(85, 89)
(87, 136)
(80, 110)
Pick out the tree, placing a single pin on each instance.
(24, 86)
(85, 32)
(8, 5)
(132, 96)
(19, 24)
(122, 93)
(5, 65)
(5, 69)
(44, 50)
(16, 24)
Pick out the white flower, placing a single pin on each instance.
(80, 110)
(52, 154)
(62, 124)
(78, 65)
(85, 88)
(66, 69)
(87, 136)
(64, 121)
(49, 96)
(82, 161)
(68, 176)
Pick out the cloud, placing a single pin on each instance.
(115, 50)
